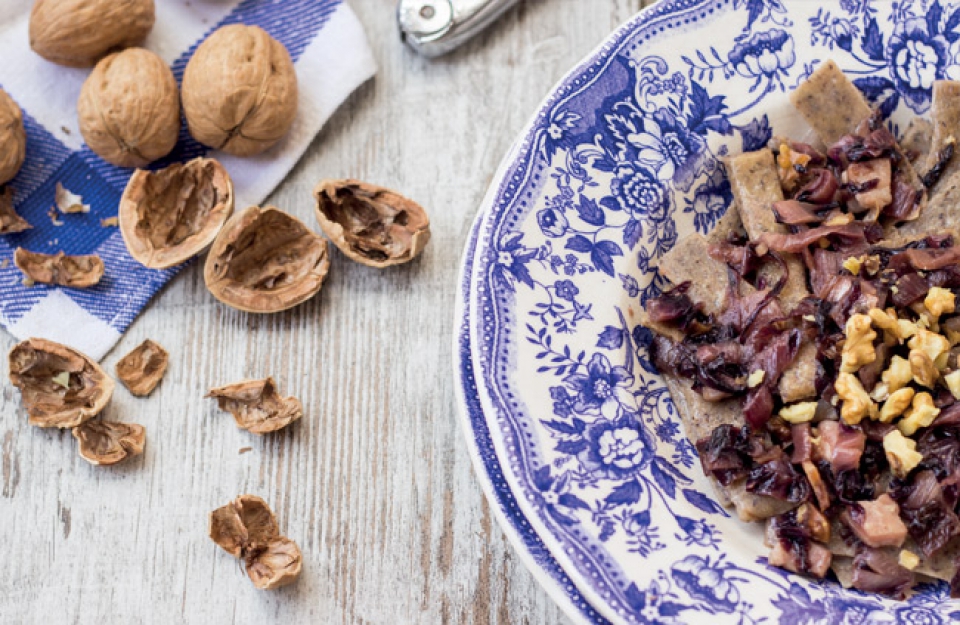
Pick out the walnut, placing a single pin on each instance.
(896, 404)
(170, 215)
(257, 406)
(76, 33)
(10, 221)
(930, 343)
(60, 386)
(73, 271)
(856, 402)
(265, 260)
(129, 108)
(247, 528)
(69, 202)
(920, 415)
(240, 90)
(924, 371)
(141, 370)
(939, 301)
(13, 138)
(898, 374)
(799, 413)
(107, 442)
(370, 224)
(858, 349)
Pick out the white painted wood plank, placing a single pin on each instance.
(375, 483)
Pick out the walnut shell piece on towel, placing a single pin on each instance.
(129, 108)
(265, 260)
(170, 215)
(257, 406)
(240, 90)
(247, 528)
(13, 138)
(142, 369)
(74, 271)
(77, 33)
(10, 221)
(371, 224)
(60, 386)
(103, 443)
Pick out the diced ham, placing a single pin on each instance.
(874, 177)
(802, 445)
(876, 523)
(840, 445)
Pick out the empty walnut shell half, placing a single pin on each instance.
(257, 406)
(60, 386)
(275, 564)
(245, 521)
(10, 221)
(104, 443)
(173, 214)
(247, 528)
(370, 224)
(73, 271)
(141, 370)
(265, 260)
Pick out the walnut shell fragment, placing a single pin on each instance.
(240, 90)
(170, 215)
(13, 138)
(257, 406)
(247, 528)
(265, 260)
(73, 271)
(141, 370)
(129, 108)
(76, 33)
(370, 224)
(10, 221)
(60, 386)
(103, 443)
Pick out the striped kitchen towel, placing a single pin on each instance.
(332, 58)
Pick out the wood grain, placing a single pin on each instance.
(375, 483)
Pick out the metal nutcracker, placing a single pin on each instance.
(435, 27)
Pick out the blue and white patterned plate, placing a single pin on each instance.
(574, 434)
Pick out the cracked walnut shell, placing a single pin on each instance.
(265, 260)
(170, 215)
(76, 33)
(73, 271)
(60, 386)
(104, 443)
(240, 91)
(257, 406)
(370, 224)
(13, 138)
(246, 528)
(129, 108)
(141, 370)
(10, 221)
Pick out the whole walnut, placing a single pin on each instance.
(129, 108)
(76, 33)
(239, 90)
(13, 138)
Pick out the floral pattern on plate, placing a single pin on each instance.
(624, 159)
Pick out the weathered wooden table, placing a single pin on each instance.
(375, 483)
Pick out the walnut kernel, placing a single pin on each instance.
(856, 402)
(858, 349)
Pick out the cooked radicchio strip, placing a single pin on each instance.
(943, 158)
(779, 479)
(875, 570)
(930, 521)
(795, 538)
(795, 213)
(795, 243)
(821, 188)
